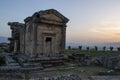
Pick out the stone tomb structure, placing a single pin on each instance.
(42, 36)
(45, 33)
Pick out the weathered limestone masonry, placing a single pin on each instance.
(17, 37)
(43, 33)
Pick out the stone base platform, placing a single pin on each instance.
(48, 61)
(40, 61)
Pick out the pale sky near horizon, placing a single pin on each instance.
(90, 20)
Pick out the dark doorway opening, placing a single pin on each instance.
(48, 39)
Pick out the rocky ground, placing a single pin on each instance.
(69, 71)
(105, 77)
(59, 77)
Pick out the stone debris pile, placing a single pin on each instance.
(81, 59)
(109, 61)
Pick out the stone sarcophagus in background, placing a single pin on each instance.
(43, 33)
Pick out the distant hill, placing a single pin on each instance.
(4, 39)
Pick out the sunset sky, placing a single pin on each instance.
(90, 20)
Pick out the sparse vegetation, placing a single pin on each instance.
(27, 76)
(88, 48)
(69, 47)
(0, 50)
(111, 48)
(93, 69)
(118, 48)
(96, 48)
(2, 61)
(104, 48)
(91, 52)
(80, 48)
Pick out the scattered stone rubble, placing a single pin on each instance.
(109, 61)
(63, 77)
(81, 59)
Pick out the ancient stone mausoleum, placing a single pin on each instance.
(43, 33)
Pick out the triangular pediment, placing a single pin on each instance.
(52, 17)
(48, 16)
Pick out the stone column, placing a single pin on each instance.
(15, 46)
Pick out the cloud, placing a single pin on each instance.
(107, 30)
(110, 30)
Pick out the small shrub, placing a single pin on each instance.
(96, 48)
(0, 50)
(69, 47)
(2, 61)
(118, 48)
(111, 48)
(104, 48)
(88, 48)
(80, 48)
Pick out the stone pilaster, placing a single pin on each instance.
(63, 37)
(35, 40)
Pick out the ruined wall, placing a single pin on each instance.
(17, 37)
(22, 39)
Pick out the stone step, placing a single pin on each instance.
(13, 64)
(31, 69)
(9, 69)
(31, 64)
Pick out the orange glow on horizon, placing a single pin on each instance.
(104, 31)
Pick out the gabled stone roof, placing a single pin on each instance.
(46, 12)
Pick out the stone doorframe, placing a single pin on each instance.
(49, 43)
